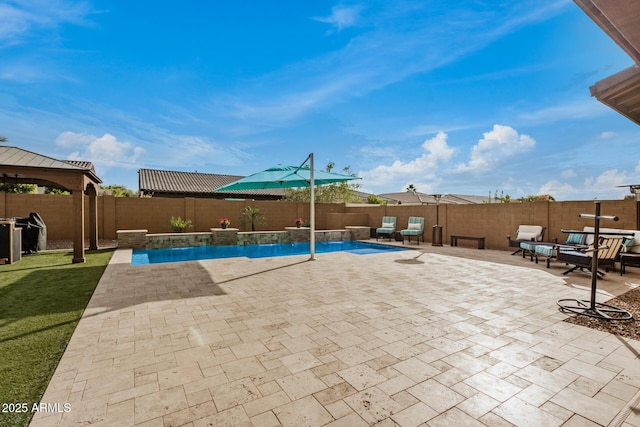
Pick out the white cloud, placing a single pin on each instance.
(19, 18)
(559, 190)
(342, 16)
(436, 151)
(196, 150)
(568, 173)
(383, 152)
(582, 109)
(105, 150)
(605, 185)
(498, 144)
(72, 139)
(608, 135)
(384, 55)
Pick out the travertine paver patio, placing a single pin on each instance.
(345, 340)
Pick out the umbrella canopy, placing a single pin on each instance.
(284, 177)
(290, 177)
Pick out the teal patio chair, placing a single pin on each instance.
(388, 227)
(414, 228)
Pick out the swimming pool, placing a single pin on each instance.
(194, 253)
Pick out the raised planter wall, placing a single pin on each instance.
(140, 239)
(177, 240)
(132, 239)
(263, 237)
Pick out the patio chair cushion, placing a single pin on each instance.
(527, 246)
(526, 235)
(409, 232)
(576, 238)
(628, 243)
(546, 250)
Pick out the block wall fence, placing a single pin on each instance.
(492, 221)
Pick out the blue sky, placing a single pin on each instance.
(465, 97)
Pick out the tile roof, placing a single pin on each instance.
(14, 156)
(18, 157)
(154, 181)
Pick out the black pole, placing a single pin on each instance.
(594, 260)
(596, 310)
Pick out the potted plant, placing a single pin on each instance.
(298, 222)
(179, 225)
(224, 223)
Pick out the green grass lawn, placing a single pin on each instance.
(42, 298)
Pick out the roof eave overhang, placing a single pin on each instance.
(616, 18)
(619, 20)
(621, 92)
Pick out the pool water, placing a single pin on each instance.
(194, 253)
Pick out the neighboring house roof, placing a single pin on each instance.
(430, 199)
(364, 196)
(619, 19)
(18, 157)
(196, 184)
(465, 198)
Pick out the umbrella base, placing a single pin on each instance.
(596, 310)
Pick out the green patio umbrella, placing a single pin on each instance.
(290, 177)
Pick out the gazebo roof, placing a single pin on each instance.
(26, 167)
(18, 157)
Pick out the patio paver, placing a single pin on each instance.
(466, 337)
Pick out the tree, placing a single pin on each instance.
(372, 199)
(19, 188)
(502, 199)
(119, 191)
(251, 217)
(53, 190)
(412, 188)
(541, 197)
(505, 198)
(3, 139)
(339, 192)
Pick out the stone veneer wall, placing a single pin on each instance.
(177, 240)
(139, 239)
(132, 239)
(263, 237)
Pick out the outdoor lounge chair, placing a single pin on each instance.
(388, 227)
(526, 233)
(608, 250)
(549, 250)
(414, 228)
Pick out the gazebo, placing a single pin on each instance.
(18, 166)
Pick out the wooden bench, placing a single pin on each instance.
(480, 240)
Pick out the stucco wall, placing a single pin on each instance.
(493, 221)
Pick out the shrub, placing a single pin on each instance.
(252, 217)
(180, 225)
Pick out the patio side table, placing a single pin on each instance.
(628, 259)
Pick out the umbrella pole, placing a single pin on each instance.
(312, 214)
